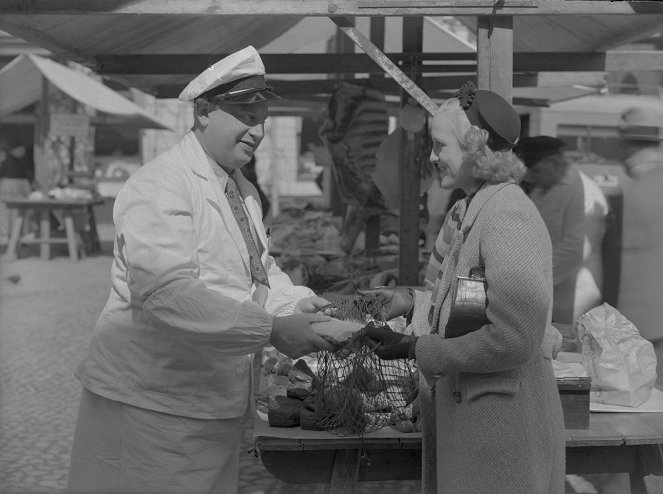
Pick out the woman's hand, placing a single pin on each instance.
(391, 345)
(394, 301)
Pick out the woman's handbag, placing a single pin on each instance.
(468, 307)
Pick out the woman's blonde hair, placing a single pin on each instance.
(491, 166)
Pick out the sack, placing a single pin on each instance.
(621, 363)
(468, 307)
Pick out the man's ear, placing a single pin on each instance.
(203, 108)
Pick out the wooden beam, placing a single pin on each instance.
(495, 55)
(288, 63)
(326, 7)
(345, 63)
(385, 84)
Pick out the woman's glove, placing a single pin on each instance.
(391, 345)
(395, 301)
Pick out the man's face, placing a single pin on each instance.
(545, 173)
(448, 156)
(232, 132)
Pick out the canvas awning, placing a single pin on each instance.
(21, 86)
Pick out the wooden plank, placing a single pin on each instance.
(618, 428)
(325, 7)
(495, 55)
(344, 63)
(387, 65)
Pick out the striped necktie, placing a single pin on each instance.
(258, 273)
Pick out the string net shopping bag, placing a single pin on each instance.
(357, 392)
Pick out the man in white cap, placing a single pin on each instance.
(167, 379)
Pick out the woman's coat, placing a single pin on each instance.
(492, 416)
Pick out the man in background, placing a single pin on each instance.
(557, 191)
(642, 257)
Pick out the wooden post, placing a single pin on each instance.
(408, 262)
(342, 44)
(373, 221)
(495, 55)
(40, 151)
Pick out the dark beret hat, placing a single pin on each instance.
(533, 149)
(489, 111)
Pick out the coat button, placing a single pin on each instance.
(457, 396)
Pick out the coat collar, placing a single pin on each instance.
(478, 202)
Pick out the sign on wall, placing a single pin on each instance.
(69, 124)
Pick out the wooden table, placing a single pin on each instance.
(614, 442)
(67, 207)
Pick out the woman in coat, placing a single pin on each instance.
(491, 414)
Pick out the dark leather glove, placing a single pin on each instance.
(391, 345)
(394, 302)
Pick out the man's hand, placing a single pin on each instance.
(395, 301)
(294, 337)
(391, 345)
(310, 305)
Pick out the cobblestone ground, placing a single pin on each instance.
(45, 327)
(46, 319)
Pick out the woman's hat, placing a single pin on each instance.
(641, 124)
(489, 111)
(238, 78)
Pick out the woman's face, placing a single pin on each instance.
(448, 156)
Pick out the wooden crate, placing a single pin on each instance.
(574, 393)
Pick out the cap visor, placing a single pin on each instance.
(253, 97)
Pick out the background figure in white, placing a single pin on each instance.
(589, 283)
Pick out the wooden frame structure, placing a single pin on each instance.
(496, 66)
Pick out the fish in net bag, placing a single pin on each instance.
(355, 391)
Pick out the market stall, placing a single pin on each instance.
(614, 442)
(626, 442)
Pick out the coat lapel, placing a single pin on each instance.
(213, 189)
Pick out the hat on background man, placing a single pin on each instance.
(489, 111)
(238, 78)
(533, 149)
(641, 124)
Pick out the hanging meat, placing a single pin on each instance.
(356, 124)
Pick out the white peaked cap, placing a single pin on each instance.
(239, 65)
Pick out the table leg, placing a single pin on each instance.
(94, 236)
(638, 485)
(45, 233)
(345, 471)
(17, 228)
(71, 235)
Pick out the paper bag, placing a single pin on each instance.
(621, 363)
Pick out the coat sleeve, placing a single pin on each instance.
(517, 256)
(283, 294)
(156, 243)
